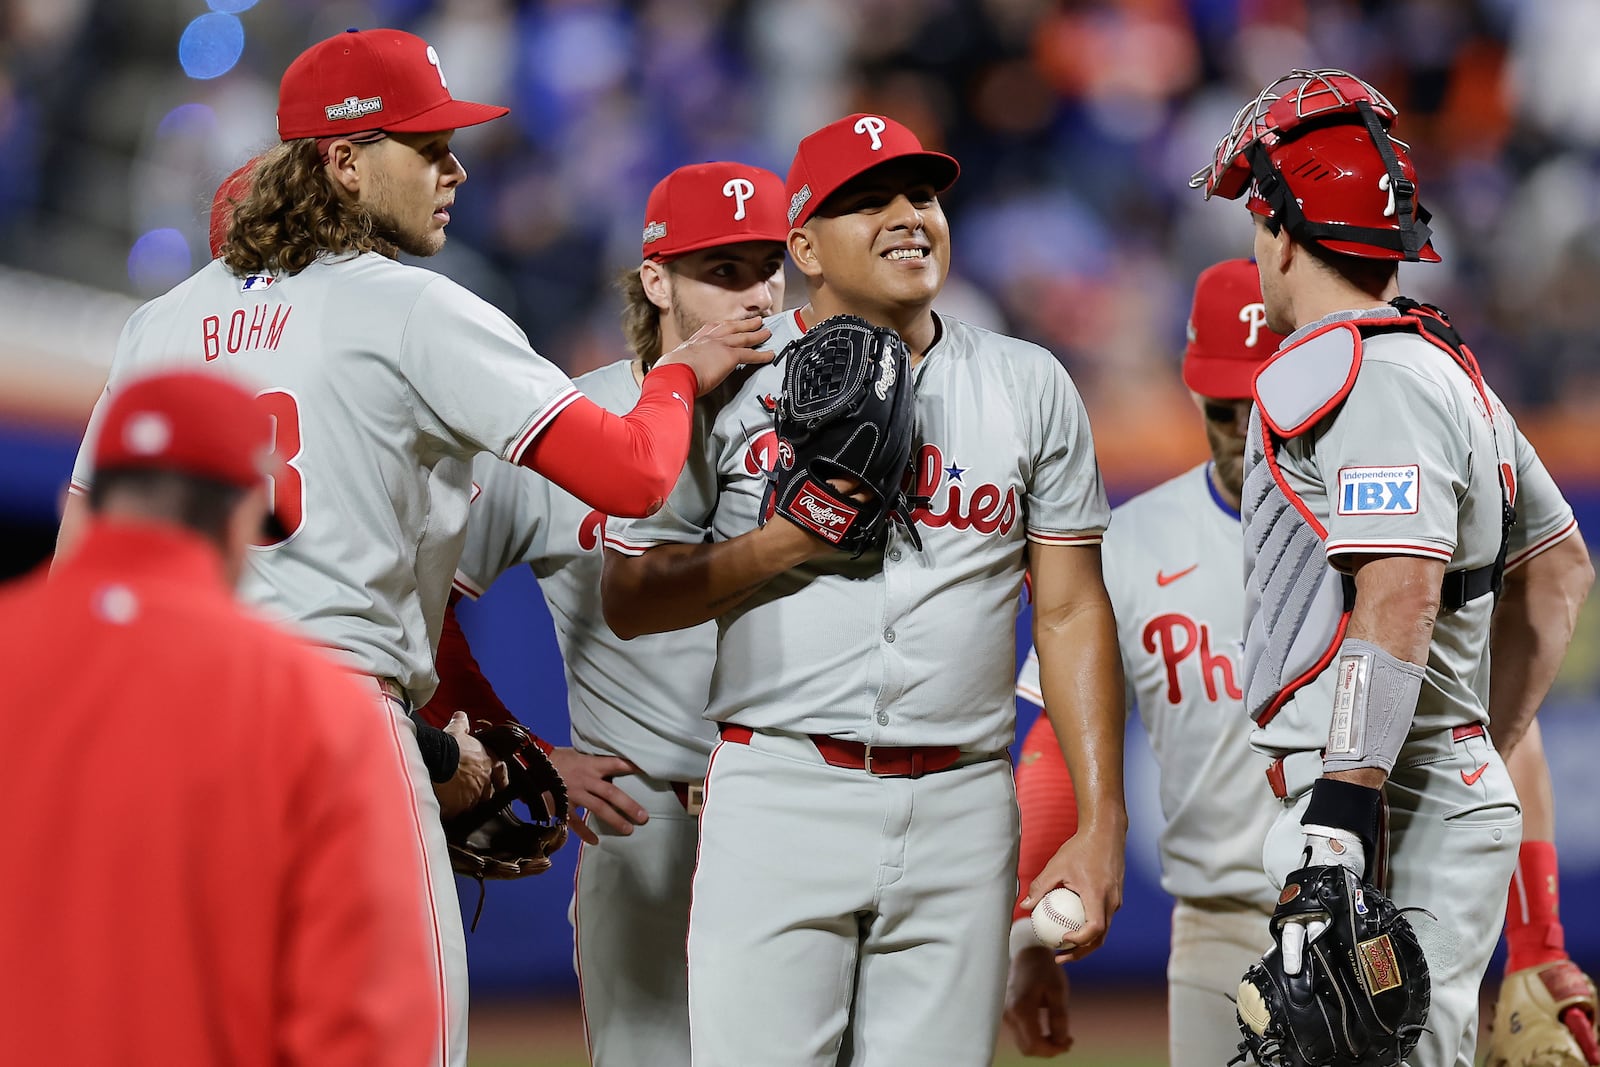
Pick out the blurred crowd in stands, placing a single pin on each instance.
(1077, 125)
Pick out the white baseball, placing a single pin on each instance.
(1058, 918)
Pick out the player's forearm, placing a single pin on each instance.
(1533, 625)
(671, 587)
(1046, 803)
(462, 683)
(623, 465)
(1080, 672)
(1530, 776)
(1397, 600)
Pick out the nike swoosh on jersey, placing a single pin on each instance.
(1472, 779)
(1168, 579)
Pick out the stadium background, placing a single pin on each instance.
(1077, 125)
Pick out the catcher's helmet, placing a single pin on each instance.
(1315, 153)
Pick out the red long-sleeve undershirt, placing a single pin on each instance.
(1048, 804)
(462, 684)
(623, 465)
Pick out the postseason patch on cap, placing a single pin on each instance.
(798, 202)
(1378, 490)
(352, 107)
(654, 231)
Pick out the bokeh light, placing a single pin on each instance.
(211, 45)
(187, 120)
(159, 260)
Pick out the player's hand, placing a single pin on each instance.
(1090, 864)
(718, 347)
(796, 544)
(589, 786)
(476, 774)
(1036, 1003)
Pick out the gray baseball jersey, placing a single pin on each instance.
(1410, 464)
(906, 648)
(640, 699)
(385, 380)
(1171, 561)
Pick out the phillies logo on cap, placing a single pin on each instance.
(739, 190)
(873, 127)
(1256, 316)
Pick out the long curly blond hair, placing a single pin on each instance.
(292, 213)
(641, 320)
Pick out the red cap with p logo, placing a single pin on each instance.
(364, 80)
(850, 147)
(1228, 335)
(710, 204)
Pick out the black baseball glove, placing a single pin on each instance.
(491, 840)
(848, 411)
(1359, 995)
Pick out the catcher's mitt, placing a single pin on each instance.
(1545, 1017)
(491, 840)
(1360, 998)
(848, 411)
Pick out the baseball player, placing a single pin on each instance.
(1386, 492)
(251, 890)
(713, 249)
(385, 380)
(857, 846)
(1180, 608)
(1171, 566)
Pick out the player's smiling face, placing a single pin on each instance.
(410, 187)
(725, 282)
(883, 238)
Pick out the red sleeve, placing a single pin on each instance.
(462, 685)
(1049, 806)
(623, 465)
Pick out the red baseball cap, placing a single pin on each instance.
(845, 149)
(710, 204)
(365, 80)
(1228, 335)
(189, 422)
(234, 188)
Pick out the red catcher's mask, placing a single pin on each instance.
(1314, 151)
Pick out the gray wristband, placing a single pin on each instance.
(1374, 701)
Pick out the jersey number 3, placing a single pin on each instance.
(288, 489)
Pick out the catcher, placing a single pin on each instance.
(1389, 502)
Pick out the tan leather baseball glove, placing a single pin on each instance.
(1545, 1017)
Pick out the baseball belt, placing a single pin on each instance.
(1293, 774)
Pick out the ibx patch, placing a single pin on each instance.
(1379, 490)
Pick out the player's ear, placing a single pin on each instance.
(342, 167)
(803, 250)
(657, 286)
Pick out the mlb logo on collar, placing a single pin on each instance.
(1378, 490)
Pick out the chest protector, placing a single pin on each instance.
(1297, 604)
